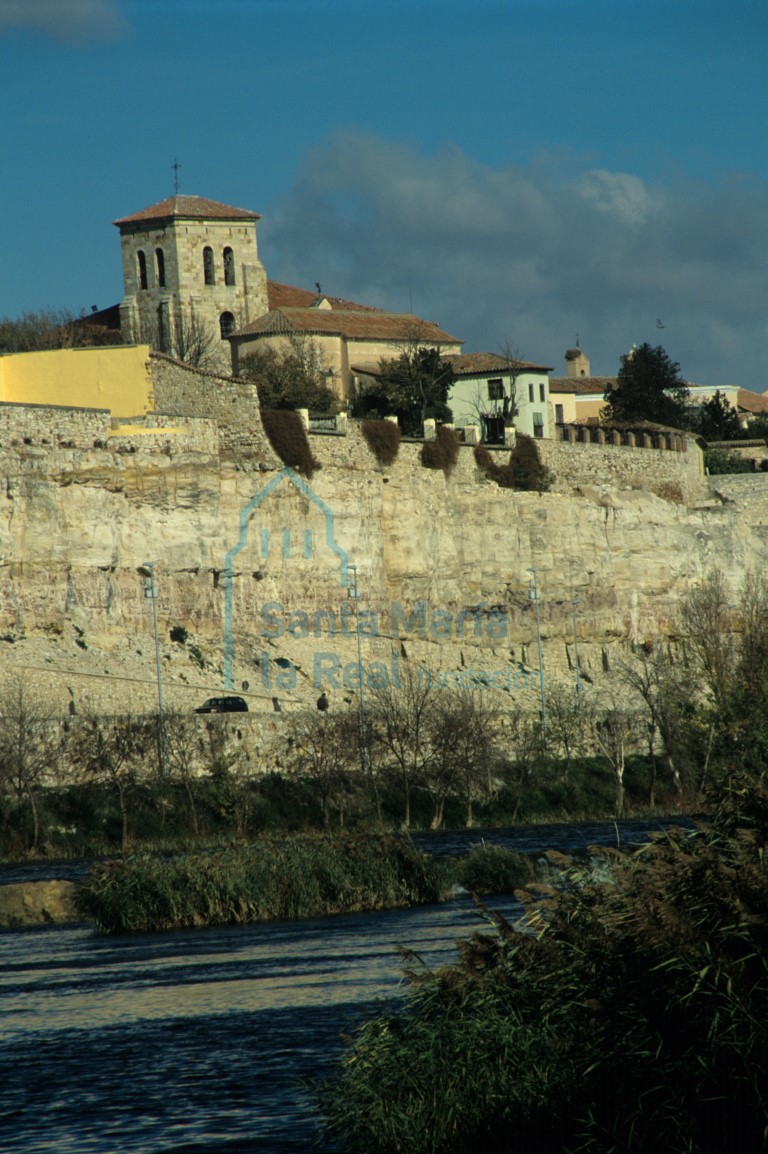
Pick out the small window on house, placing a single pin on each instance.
(542, 392)
(226, 324)
(142, 269)
(229, 266)
(530, 392)
(559, 415)
(495, 389)
(160, 258)
(208, 273)
(538, 424)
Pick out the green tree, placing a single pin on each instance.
(413, 387)
(290, 379)
(718, 420)
(648, 388)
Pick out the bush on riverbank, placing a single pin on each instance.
(296, 877)
(633, 1018)
(493, 869)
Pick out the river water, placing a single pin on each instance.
(201, 1041)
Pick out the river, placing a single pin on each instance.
(200, 1042)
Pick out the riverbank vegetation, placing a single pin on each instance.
(631, 1015)
(274, 879)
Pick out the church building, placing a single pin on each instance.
(192, 277)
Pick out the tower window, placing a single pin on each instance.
(160, 258)
(542, 392)
(530, 391)
(142, 269)
(229, 266)
(538, 424)
(226, 324)
(208, 273)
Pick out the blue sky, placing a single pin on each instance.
(523, 171)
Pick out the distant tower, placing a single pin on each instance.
(190, 265)
(576, 363)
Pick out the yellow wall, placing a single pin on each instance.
(117, 379)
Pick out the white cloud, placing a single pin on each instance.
(70, 21)
(535, 253)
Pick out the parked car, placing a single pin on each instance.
(223, 705)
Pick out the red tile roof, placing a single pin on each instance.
(582, 386)
(187, 208)
(353, 324)
(470, 364)
(288, 296)
(752, 402)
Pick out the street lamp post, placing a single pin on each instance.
(150, 590)
(533, 593)
(354, 592)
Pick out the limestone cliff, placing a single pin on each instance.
(256, 566)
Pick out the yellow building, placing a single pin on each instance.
(114, 378)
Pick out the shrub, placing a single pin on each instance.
(383, 439)
(492, 869)
(632, 1016)
(717, 461)
(288, 438)
(443, 452)
(523, 470)
(295, 877)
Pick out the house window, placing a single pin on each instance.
(226, 324)
(559, 415)
(160, 258)
(142, 269)
(530, 391)
(538, 424)
(229, 266)
(208, 273)
(495, 389)
(542, 392)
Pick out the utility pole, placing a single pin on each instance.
(533, 593)
(150, 591)
(354, 592)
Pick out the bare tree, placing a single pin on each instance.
(614, 731)
(113, 750)
(185, 336)
(707, 618)
(182, 748)
(325, 751)
(466, 746)
(663, 688)
(568, 726)
(29, 749)
(402, 722)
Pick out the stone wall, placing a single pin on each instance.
(664, 465)
(232, 403)
(52, 426)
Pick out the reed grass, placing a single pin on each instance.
(274, 879)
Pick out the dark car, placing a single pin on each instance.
(223, 705)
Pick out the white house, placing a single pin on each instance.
(490, 389)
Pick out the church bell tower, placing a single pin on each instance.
(191, 275)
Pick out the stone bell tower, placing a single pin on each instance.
(191, 271)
